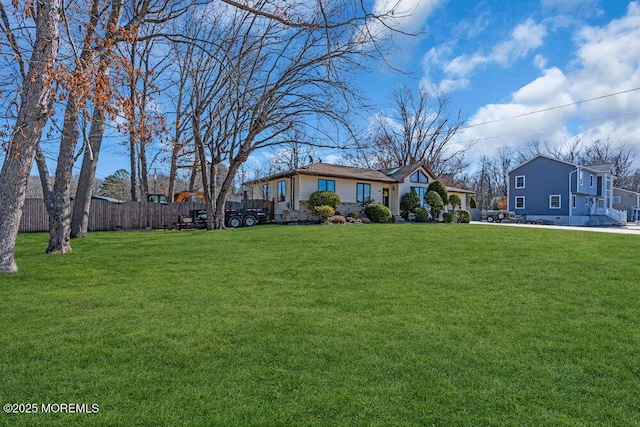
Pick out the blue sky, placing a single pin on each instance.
(499, 59)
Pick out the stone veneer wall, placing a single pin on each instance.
(306, 214)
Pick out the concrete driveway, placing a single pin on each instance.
(631, 228)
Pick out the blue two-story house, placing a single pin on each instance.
(564, 193)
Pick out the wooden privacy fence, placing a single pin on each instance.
(106, 216)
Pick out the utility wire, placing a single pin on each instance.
(550, 108)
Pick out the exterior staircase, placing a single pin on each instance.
(606, 216)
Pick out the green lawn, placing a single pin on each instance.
(327, 325)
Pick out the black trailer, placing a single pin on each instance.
(233, 218)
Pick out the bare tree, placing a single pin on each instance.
(420, 130)
(32, 116)
(266, 77)
(293, 154)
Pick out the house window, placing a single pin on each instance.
(363, 192)
(266, 191)
(326, 185)
(519, 202)
(421, 192)
(586, 201)
(420, 177)
(591, 181)
(282, 190)
(554, 201)
(520, 181)
(616, 199)
(581, 179)
(574, 201)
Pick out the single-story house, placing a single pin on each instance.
(629, 201)
(548, 189)
(290, 190)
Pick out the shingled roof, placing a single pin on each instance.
(334, 171)
(400, 173)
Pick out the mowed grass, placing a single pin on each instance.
(327, 325)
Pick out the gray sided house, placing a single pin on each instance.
(564, 193)
(626, 200)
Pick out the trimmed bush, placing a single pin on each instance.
(439, 188)
(422, 215)
(447, 217)
(324, 212)
(352, 215)
(378, 213)
(435, 203)
(463, 216)
(454, 200)
(408, 203)
(324, 198)
(338, 219)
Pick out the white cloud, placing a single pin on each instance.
(410, 14)
(525, 38)
(406, 16)
(523, 118)
(540, 62)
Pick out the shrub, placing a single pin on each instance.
(378, 213)
(454, 200)
(408, 203)
(473, 204)
(439, 188)
(463, 216)
(324, 198)
(338, 219)
(422, 215)
(352, 215)
(324, 212)
(435, 203)
(447, 217)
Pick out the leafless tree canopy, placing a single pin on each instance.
(420, 129)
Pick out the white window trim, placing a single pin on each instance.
(523, 181)
(523, 202)
(618, 198)
(581, 179)
(559, 196)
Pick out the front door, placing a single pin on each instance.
(385, 197)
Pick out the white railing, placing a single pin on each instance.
(616, 215)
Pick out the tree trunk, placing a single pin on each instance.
(219, 217)
(80, 219)
(32, 117)
(144, 176)
(45, 179)
(60, 215)
(134, 169)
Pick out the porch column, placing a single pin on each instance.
(610, 182)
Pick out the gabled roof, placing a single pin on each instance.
(592, 168)
(604, 167)
(334, 171)
(400, 173)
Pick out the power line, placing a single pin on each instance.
(550, 108)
